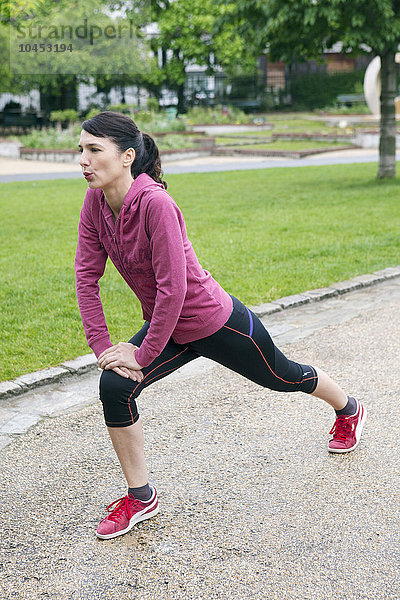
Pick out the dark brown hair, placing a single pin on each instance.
(125, 134)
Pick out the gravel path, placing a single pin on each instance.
(252, 504)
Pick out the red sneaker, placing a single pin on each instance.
(126, 513)
(347, 431)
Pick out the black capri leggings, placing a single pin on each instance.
(242, 344)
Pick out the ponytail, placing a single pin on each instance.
(149, 161)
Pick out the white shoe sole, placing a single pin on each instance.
(142, 516)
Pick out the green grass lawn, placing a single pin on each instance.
(228, 140)
(296, 124)
(263, 234)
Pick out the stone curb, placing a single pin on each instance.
(88, 362)
(30, 381)
(319, 294)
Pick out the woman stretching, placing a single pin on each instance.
(128, 216)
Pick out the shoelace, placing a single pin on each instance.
(121, 506)
(341, 429)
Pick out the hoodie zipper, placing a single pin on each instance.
(127, 275)
(132, 284)
(114, 236)
(120, 258)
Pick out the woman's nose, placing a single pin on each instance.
(83, 160)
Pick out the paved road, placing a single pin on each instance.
(23, 170)
(252, 505)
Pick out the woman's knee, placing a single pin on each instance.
(109, 385)
(117, 395)
(295, 378)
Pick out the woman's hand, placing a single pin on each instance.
(129, 373)
(121, 359)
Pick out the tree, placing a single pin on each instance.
(304, 29)
(189, 32)
(56, 44)
(9, 9)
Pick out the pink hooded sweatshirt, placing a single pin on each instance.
(149, 246)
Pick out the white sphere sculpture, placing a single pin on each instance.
(372, 84)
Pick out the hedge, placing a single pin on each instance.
(320, 90)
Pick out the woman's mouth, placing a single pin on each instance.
(88, 176)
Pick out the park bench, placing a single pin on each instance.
(350, 99)
(247, 105)
(17, 121)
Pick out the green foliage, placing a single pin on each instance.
(295, 30)
(250, 240)
(317, 90)
(146, 120)
(153, 123)
(67, 139)
(52, 138)
(355, 109)
(5, 75)
(68, 115)
(174, 142)
(194, 33)
(152, 105)
(248, 85)
(92, 113)
(127, 109)
(17, 9)
(117, 53)
(199, 115)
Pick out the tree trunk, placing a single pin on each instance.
(58, 93)
(387, 141)
(181, 98)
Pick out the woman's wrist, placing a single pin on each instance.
(135, 349)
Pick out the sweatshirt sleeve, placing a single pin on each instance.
(164, 225)
(90, 262)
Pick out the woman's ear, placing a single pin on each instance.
(129, 157)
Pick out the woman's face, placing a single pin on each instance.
(103, 165)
